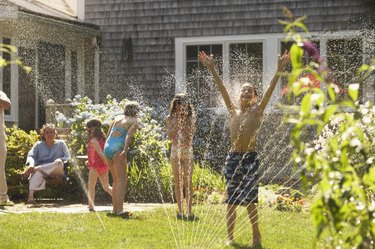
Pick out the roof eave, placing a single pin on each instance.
(75, 24)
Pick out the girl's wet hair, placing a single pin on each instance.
(96, 125)
(181, 99)
(132, 108)
(46, 126)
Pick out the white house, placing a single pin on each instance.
(60, 47)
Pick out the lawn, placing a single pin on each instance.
(152, 229)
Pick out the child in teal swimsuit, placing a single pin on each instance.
(115, 150)
(115, 144)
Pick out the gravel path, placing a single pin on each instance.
(61, 207)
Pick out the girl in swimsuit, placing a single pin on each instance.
(180, 127)
(115, 150)
(96, 160)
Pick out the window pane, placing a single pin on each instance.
(74, 65)
(217, 50)
(27, 90)
(199, 82)
(255, 50)
(343, 58)
(7, 73)
(284, 81)
(191, 52)
(246, 65)
(205, 48)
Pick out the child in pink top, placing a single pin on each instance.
(96, 160)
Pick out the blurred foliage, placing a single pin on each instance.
(342, 167)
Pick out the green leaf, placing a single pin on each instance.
(369, 178)
(296, 56)
(287, 12)
(362, 68)
(27, 69)
(283, 22)
(306, 104)
(331, 92)
(353, 91)
(330, 110)
(347, 103)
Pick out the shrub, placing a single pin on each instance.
(208, 185)
(288, 203)
(149, 175)
(211, 127)
(18, 145)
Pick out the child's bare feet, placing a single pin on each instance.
(229, 242)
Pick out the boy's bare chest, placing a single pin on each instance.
(244, 121)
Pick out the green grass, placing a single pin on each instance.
(152, 229)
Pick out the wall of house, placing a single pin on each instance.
(144, 44)
(138, 50)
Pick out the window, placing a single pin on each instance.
(200, 87)
(344, 57)
(245, 63)
(6, 74)
(284, 81)
(252, 58)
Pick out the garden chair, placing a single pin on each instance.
(56, 179)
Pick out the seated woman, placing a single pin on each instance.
(45, 158)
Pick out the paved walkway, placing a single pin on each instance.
(61, 207)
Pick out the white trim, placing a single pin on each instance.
(226, 71)
(180, 63)
(271, 47)
(80, 9)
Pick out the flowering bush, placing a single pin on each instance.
(208, 185)
(288, 203)
(147, 154)
(332, 129)
(342, 165)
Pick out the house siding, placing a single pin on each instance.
(154, 24)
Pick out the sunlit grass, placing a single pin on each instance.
(152, 229)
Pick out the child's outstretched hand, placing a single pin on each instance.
(283, 61)
(208, 61)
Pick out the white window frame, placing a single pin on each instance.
(271, 48)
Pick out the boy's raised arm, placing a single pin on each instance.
(208, 61)
(281, 63)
